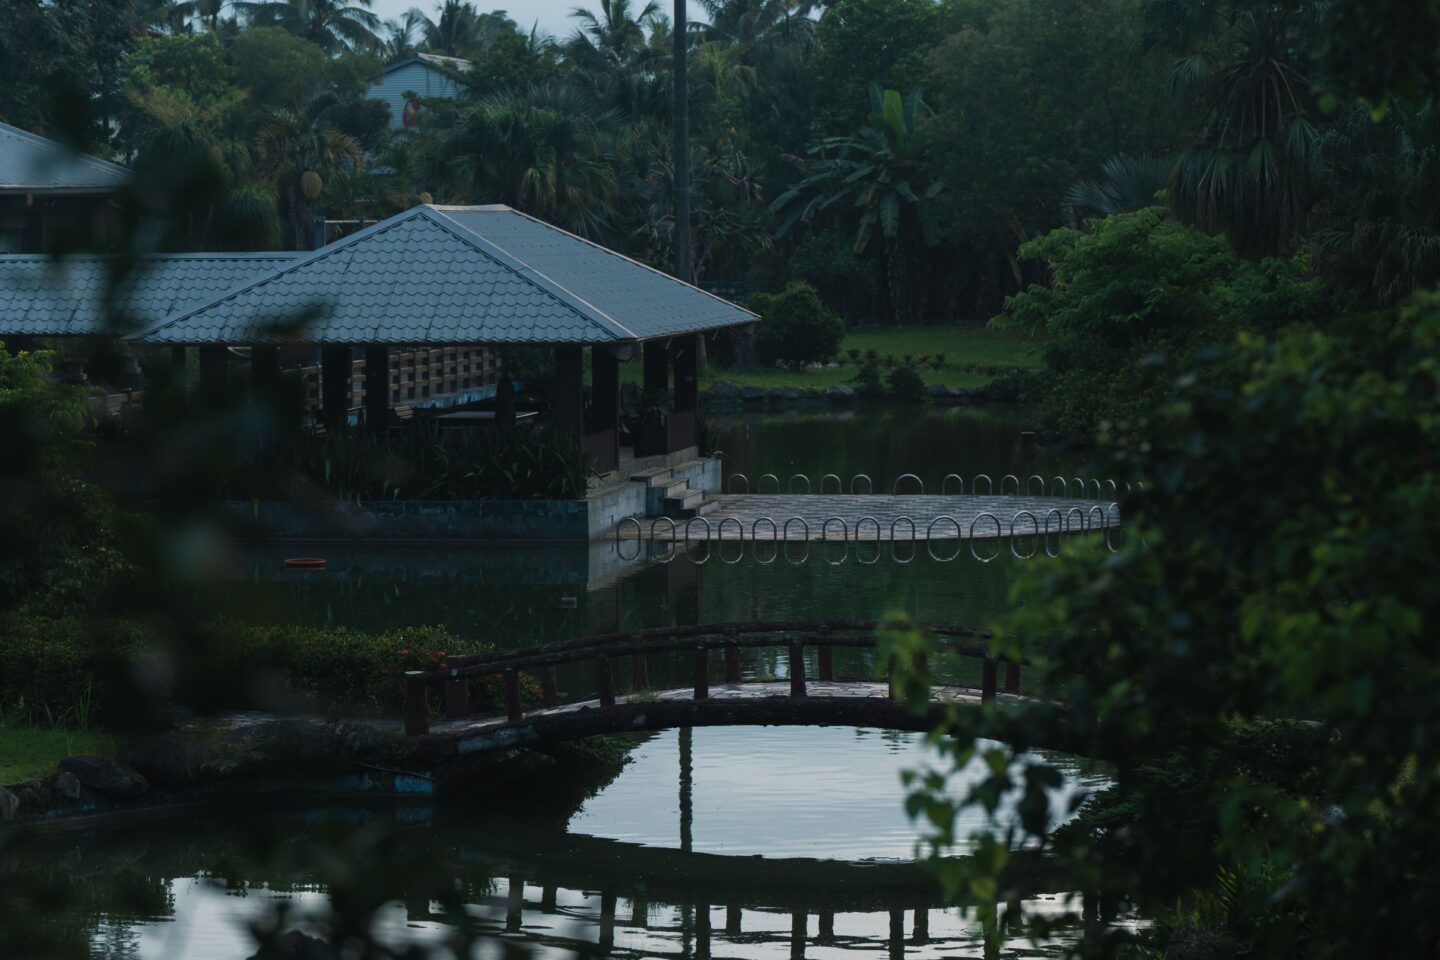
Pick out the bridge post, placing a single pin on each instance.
(987, 681)
(513, 710)
(639, 672)
(639, 913)
(701, 673)
(897, 934)
(514, 904)
(797, 935)
(827, 657)
(607, 684)
(826, 933)
(922, 925)
(606, 937)
(732, 920)
(732, 664)
(702, 931)
(417, 715)
(548, 696)
(1012, 676)
(457, 695)
(797, 669)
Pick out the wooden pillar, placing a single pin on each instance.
(377, 388)
(604, 439)
(567, 404)
(797, 670)
(732, 920)
(504, 391)
(657, 368)
(681, 429)
(264, 368)
(685, 352)
(897, 934)
(987, 680)
(606, 938)
(826, 933)
(701, 673)
(180, 367)
(214, 370)
(335, 368)
(702, 931)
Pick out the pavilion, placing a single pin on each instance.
(444, 275)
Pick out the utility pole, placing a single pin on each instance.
(682, 147)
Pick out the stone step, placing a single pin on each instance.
(676, 506)
(707, 506)
(675, 488)
(651, 476)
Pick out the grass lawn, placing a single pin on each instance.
(34, 753)
(974, 356)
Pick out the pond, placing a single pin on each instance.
(745, 842)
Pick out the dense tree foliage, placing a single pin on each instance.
(1014, 118)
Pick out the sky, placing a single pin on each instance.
(553, 16)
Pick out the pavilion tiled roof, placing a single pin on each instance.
(33, 164)
(454, 275)
(45, 297)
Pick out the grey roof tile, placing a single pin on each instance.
(41, 296)
(30, 163)
(649, 303)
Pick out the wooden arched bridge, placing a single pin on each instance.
(824, 699)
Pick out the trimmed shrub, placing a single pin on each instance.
(797, 328)
(905, 384)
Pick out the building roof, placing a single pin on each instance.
(45, 297)
(32, 164)
(650, 303)
(435, 275)
(433, 59)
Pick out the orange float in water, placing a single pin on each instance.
(305, 563)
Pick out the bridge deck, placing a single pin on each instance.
(937, 517)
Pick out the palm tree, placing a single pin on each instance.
(540, 150)
(1249, 174)
(456, 33)
(613, 41)
(878, 172)
(1128, 184)
(757, 24)
(401, 35)
(330, 23)
(299, 152)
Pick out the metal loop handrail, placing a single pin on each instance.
(1060, 517)
(800, 520)
(989, 485)
(760, 484)
(844, 537)
(869, 484)
(945, 484)
(739, 476)
(799, 476)
(839, 484)
(1075, 512)
(708, 531)
(861, 521)
(999, 532)
(1113, 510)
(720, 528)
(704, 559)
(930, 540)
(913, 530)
(1096, 488)
(1072, 484)
(1029, 491)
(755, 528)
(1114, 490)
(805, 557)
(1050, 487)
(1034, 522)
(1010, 476)
(1090, 517)
(895, 487)
(639, 536)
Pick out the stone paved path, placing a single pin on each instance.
(879, 517)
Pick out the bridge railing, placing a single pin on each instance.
(453, 679)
